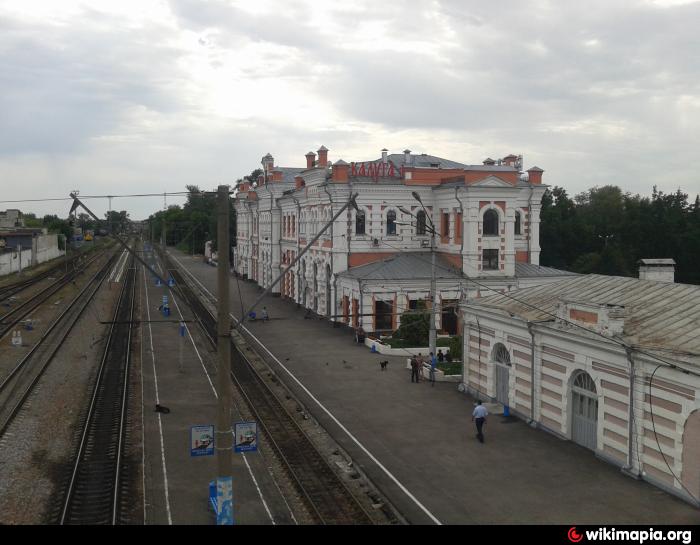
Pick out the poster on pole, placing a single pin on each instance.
(246, 437)
(202, 441)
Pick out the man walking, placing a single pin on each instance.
(479, 416)
(414, 369)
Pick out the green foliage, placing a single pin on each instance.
(116, 222)
(414, 329)
(606, 231)
(456, 347)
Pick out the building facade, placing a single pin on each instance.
(610, 363)
(485, 219)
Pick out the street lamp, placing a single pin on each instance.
(433, 289)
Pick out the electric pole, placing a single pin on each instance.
(224, 439)
(433, 287)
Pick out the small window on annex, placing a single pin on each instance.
(391, 223)
(490, 260)
(360, 223)
(491, 222)
(517, 224)
(420, 223)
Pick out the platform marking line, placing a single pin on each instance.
(143, 427)
(330, 415)
(160, 423)
(216, 395)
(113, 272)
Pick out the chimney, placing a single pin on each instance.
(298, 182)
(489, 162)
(407, 156)
(659, 270)
(276, 176)
(535, 175)
(509, 160)
(310, 159)
(384, 155)
(322, 156)
(261, 179)
(340, 171)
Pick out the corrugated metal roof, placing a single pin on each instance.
(528, 270)
(657, 314)
(288, 173)
(404, 266)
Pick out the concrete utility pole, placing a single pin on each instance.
(224, 439)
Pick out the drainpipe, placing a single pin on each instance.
(461, 208)
(531, 330)
(330, 199)
(279, 207)
(297, 229)
(629, 468)
(362, 313)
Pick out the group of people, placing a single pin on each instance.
(417, 367)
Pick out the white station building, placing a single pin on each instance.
(374, 263)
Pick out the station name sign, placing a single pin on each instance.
(376, 170)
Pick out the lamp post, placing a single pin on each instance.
(433, 288)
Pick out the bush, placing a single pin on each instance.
(455, 344)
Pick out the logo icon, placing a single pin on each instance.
(573, 535)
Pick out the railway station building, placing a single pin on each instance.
(610, 363)
(374, 263)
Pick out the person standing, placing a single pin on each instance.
(414, 369)
(421, 361)
(479, 416)
(265, 316)
(440, 356)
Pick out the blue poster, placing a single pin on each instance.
(224, 501)
(202, 441)
(246, 437)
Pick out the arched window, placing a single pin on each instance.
(501, 354)
(360, 223)
(491, 222)
(420, 223)
(517, 223)
(391, 223)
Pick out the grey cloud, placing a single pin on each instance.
(59, 87)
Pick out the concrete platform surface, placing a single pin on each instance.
(183, 379)
(417, 441)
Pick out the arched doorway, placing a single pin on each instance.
(584, 411)
(501, 359)
(691, 453)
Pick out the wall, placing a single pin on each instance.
(9, 261)
(559, 355)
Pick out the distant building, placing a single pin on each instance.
(577, 358)
(373, 264)
(26, 247)
(10, 219)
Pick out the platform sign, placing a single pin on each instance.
(158, 282)
(171, 282)
(246, 437)
(182, 329)
(202, 441)
(165, 300)
(224, 501)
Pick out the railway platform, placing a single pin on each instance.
(417, 443)
(179, 375)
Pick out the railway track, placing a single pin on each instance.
(70, 262)
(17, 386)
(328, 499)
(95, 492)
(18, 313)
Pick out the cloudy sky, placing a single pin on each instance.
(136, 96)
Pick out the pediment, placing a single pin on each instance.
(492, 181)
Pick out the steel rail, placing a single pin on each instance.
(90, 435)
(80, 298)
(308, 462)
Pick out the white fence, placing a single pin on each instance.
(9, 261)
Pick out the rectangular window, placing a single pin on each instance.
(490, 260)
(445, 227)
